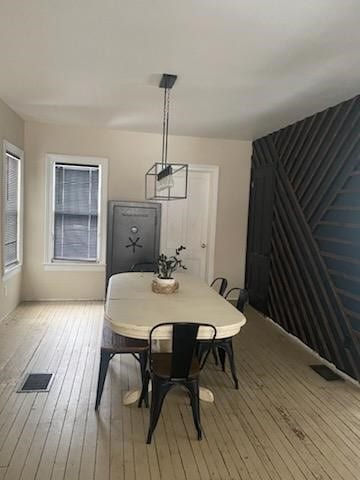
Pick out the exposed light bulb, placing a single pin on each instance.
(165, 182)
(165, 178)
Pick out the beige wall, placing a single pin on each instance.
(130, 154)
(12, 130)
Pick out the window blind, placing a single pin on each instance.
(11, 211)
(76, 212)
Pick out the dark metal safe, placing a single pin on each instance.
(133, 235)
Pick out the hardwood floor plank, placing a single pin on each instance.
(190, 467)
(311, 393)
(175, 453)
(309, 465)
(84, 404)
(142, 470)
(237, 431)
(68, 372)
(201, 458)
(61, 348)
(245, 435)
(285, 393)
(9, 415)
(161, 444)
(214, 435)
(75, 411)
(103, 447)
(40, 362)
(87, 464)
(118, 371)
(17, 428)
(284, 423)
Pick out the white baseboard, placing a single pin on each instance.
(297, 340)
(66, 300)
(53, 300)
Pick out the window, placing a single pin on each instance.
(12, 208)
(76, 212)
(78, 201)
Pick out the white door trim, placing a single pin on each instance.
(213, 170)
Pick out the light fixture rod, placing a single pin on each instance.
(167, 82)
(164, 133)
(167, 95)
(162, 177)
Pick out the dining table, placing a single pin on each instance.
(132, 309)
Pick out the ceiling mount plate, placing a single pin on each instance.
(167, 80)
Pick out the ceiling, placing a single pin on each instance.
(246, 67)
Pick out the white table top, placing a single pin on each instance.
(132, 309)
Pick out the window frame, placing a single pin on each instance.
(75, 265)
(16, 152)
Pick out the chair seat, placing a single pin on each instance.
(114, 343)
(161, 365)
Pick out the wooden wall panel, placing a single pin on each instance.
(314, 280)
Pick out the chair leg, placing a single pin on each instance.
(145, 390)
(213, 351)
(105, 358)
(222, 357)
(228, 348)
(158, 393)
(193, 388)
(200, 350)
(143, 358)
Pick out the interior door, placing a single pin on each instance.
(259, 236)
(186, 222)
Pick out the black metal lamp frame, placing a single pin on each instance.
(163, 169)
(151, 182)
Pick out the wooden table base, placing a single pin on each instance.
(133, 395)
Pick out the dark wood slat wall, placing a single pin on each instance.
(314, 280)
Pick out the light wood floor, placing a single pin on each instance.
(285, 422)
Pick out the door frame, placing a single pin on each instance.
(213, 170)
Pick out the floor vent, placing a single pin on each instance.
(36, 382)
(326, 373)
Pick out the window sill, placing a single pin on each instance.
(11, 272)
(74, 267)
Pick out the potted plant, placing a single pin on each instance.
(165, 268)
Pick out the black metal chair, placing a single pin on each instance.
(182, 366)
(143, 267)
(242, 300)
(113, 344)
(224, 346)
(220, 285)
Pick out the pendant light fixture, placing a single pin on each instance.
(166, 180)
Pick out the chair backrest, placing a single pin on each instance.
(184, 345)
(220, 285)
(242, 299)
(143, 267)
